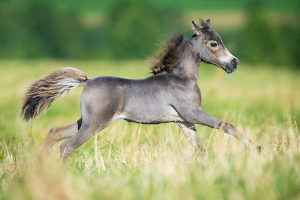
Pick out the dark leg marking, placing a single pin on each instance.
(79, 123)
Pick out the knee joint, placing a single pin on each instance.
(52, 131)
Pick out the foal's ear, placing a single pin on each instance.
(205, 23)
(196, 28)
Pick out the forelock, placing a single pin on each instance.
(210, 34)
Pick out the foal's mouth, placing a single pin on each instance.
(229, 70)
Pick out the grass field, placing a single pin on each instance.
(131, 161)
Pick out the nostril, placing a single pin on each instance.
(234, 62)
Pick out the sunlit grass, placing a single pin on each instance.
(132, 161)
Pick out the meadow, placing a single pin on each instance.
(132, 161)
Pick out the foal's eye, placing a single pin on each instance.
(213, 44)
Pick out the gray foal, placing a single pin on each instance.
(171, 94)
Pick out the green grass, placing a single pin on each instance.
(132, 161)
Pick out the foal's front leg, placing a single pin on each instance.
(190, 132)
(198, 116)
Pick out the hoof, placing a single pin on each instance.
(200, 152)
(259, 148)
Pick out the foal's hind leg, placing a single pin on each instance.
(93, 121)
(190, 132)
(60, 133)
(100, 101)
(86, 131)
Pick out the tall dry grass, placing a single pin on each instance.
(132, 161)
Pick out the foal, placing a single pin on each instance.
(170, 95)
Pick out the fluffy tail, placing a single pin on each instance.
(44, 91)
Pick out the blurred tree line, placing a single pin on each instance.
(31, 29)
(268, 40)
(37, 29)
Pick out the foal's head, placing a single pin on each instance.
(211, 49)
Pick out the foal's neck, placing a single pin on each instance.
(189, 62)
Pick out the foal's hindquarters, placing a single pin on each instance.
(99, 104)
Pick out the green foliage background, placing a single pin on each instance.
(126, 29)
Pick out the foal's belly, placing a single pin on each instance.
(149, 114)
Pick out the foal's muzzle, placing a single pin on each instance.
(232, 66)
